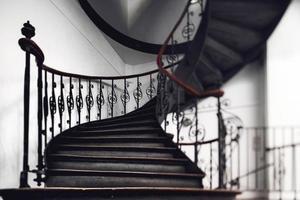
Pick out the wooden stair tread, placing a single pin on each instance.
(73, 172)
(91, 158)
(119, 130)
(121, 147)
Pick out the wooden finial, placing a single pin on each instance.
(28, 30)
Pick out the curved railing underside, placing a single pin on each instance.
(126, 40)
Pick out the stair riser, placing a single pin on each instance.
(117, 126)
(131, 134)
(117, 153)
(117, 166)
(122, 120)
(119, 144)
(112, 181)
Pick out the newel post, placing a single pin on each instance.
(28, 31)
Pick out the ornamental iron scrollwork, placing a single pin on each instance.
(150, 91)
(112, 97)
(125, 97)
(188, 30)
(172, 58)
(61, 103)
(70, 99)
(52, 105)
(89, 98)
(100, 99)
(137, 93)
(79, 101)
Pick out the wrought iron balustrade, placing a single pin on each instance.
(66, 100)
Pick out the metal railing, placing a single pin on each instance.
(66, 100)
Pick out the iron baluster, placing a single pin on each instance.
(211, 166)
(61, 103)
(79, 101)
(70, 102)
(89, 100)
(100, 100)
(222, 156)
(137, 93)
(150, 91)
(196, 134)
(177, 114)
(112, 98)
(52, 104)
(125, 96)
(46, 109)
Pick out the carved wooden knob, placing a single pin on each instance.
(28, 30)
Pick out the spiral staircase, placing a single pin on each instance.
(131, 156)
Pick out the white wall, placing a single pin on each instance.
(70, 42)
(283, 70)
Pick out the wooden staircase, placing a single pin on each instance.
(131, 157)
(128, 157)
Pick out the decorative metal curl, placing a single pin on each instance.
(52, 105)
(61, 104)
(112, 97)
(172, 58)
(89, 99)
(137, 93)
(150, 91)
(193, 132)
(70, 99)
(79, 100)
(125, 97)
(188, 30)
(232, 124)
(100, 100)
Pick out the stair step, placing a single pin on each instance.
(222, 54)
(82, 178)
(154, 152)
(115, 141)
(102, 163)
(236, 37)
(256, 14)
(125, 118)
(130, 132)
(140, 123)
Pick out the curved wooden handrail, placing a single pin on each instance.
(31, 47)
(66, 74)
(186, 87)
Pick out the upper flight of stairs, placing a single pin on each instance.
(236, 34)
